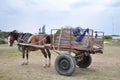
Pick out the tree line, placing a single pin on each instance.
(4, 36)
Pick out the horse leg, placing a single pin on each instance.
(45, 55)
(23, 55)
(49, 55)
(27, 55)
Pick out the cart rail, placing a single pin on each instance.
(64, 39)
(32, 45)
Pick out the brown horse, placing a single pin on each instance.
(40, 39)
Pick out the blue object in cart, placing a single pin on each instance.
(78, 39)
(76, 31)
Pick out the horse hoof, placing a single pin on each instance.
(45, 66)
(23, 64)
(26, 64)
(48, 66)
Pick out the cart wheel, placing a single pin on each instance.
(65, 64)
(86, 61)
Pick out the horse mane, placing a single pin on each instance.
(48, 39)
(14, 34)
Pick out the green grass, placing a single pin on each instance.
(6, 50)
(113, 42)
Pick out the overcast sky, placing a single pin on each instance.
(30, 15)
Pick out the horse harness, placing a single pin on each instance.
(25, 38)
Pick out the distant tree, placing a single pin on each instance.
(79, 27)
(107, 37)
(1, 34)
(2, 41)
(59, 30)
(5, 34)
(15, 31)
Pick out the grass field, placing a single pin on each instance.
(104, 66)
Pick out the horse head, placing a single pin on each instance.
(12, 37)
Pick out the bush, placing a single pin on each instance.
(57, 33)
(107, 37)
(2, 41)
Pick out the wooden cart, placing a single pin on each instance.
(64, 39)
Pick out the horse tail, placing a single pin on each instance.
(48, 39)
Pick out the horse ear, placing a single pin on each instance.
(10, 33)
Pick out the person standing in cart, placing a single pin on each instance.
(43, 30)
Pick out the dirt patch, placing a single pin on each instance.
(104, 66)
